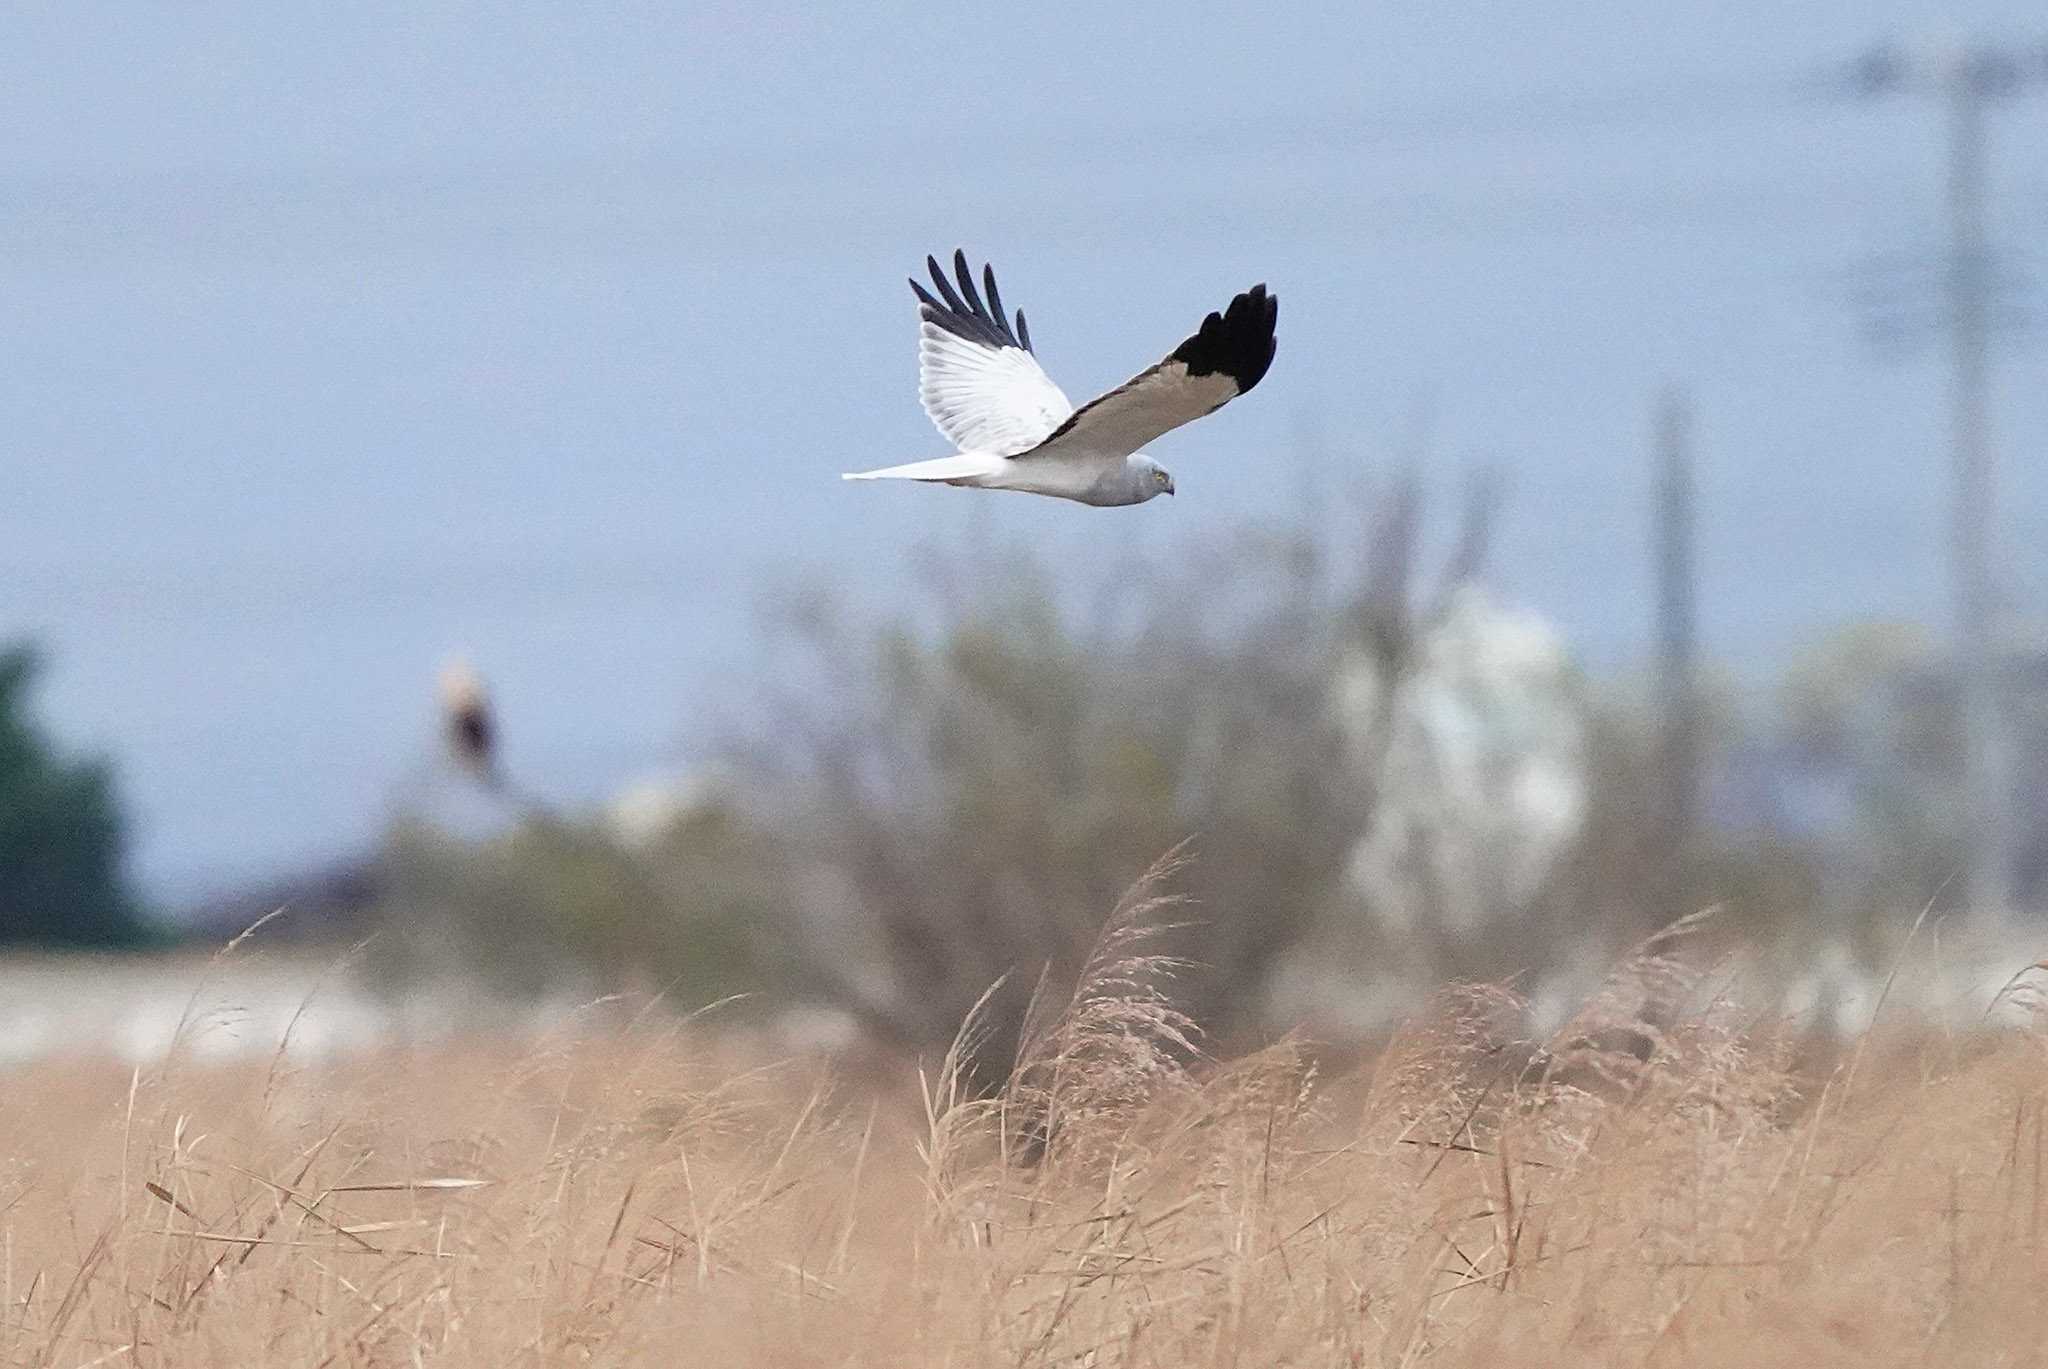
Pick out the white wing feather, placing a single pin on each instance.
(986, 399)
(976, 376)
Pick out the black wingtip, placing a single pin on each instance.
(945, 287)
(995, 296)
(960, 309)
(1239, 342)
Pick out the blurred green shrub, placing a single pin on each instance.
(975, 783)
(562, 906)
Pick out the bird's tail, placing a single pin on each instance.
(962, 466)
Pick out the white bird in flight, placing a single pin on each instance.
(1015, 430)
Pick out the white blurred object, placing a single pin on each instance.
(1483, 777)
(646, 811)
(301, 1004)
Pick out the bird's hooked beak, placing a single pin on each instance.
(1169, 484)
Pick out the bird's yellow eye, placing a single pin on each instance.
(1159, 479)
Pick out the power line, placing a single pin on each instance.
(476, 227)
(1676, 100)
(651, 200)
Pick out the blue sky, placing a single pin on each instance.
(338, 342)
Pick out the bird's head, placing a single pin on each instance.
(1153, 478)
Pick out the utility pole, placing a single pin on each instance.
(1973, 519)
(1677, 627)
(1969, 79)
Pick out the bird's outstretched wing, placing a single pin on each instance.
(1228, 355)
(976, 375)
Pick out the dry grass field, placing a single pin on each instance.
(644, 1190)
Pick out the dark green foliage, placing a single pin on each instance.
(60, 833)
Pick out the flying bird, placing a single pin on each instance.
(1015, 430)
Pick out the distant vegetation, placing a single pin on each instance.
(61, 881)
(929, 805)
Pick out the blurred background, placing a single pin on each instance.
(1644, 513)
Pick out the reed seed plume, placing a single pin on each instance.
(1118, 1037)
